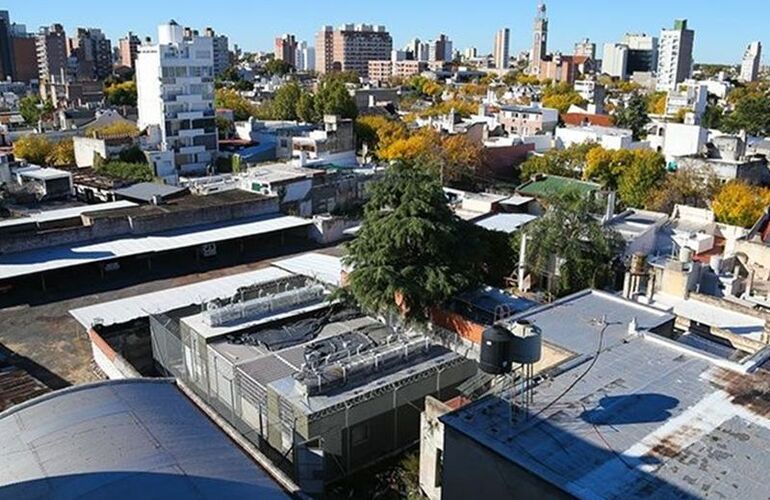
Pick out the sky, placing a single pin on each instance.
(721, 31)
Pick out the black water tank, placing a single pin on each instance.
(495, 351)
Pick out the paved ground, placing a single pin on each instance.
(53, 346)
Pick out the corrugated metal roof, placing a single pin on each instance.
(66, 213)
(46, 259)
(128, 439)
(139, 306)
(506, 223)
(325, 268)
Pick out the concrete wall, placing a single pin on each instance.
(330, 229)
(111, 363)
(473, 471)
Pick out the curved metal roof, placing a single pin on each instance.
(136, 438)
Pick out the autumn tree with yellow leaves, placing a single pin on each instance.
(740, 204)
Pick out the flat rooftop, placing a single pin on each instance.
(19, 264)
(633, 223)
(505, 223)
(123, 439)
(631, 415)
(64, 213)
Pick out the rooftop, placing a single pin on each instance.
(64, 213)
(631, 414)
(123, 439)
(18, 264)
(550, 184)
(506, 223)
(633, 222)
(146, 191)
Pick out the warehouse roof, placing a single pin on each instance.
(632, 414)
(46, 259)
(65, 213)
(140, 306)
(122, 439)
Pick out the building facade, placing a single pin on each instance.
(175, 87)
(92, 53)
(351, 47)
(615, 60)
(675, 55)
(24, 58)
(750, 62)
(220, 51)
(286, 49)
(305, 57)
(129, 49)
(642, 53)
(501, 51)
(539, 40)
(51, 47)
(6, 51)
(585, 47)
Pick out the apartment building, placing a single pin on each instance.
(51, 51)
(128, 48)
(350, 48)
(675, 55)
(501, 53)
(286, 49)
(91, 52)
(642, 53)
(750, 62)
(585, 47)
(220, 51)
(305, 57)
(175, 87)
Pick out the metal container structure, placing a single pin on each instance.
(494, 357)
(526, 345)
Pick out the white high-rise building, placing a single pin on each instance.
(750, 63)
(175, 97)
(501, 52)
(675, 55)
(585, 47)
(615, 60)
(305, 57)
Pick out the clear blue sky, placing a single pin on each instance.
(721, 31)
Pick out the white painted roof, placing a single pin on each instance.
(506, 223)
(66, 213)
(46, 259)
(140, 306)
(325, 268)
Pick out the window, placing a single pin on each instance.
(438, 468)
(359, 434)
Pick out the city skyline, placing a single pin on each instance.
(715, 41)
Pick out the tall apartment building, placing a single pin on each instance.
(24, 57)
(501, 50)
(615, 60)
(539, 40)
(750, 63)
(92, 53)
(675, 55)
(175, 87)
(221, 51)
(351, 47)
(6, 47)
(642, 53)
(286, 48)
(440, 49)
(51, 45)
(305, 57)
(585, 47)
(129, 48)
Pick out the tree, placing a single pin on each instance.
(633, 116)
(568, 162)
(118, 128)
(306, 108)
(740, 204)
(121, 94)
(34, 148)
(411, 252)
(333, 98)
(751, 113)
(453, 159)
(127, 171)
(62, 154)
(133, 154)
(712, 117)
(656, 103)
(224, 127)
(686, 186)
(230, 99)
(641, 177)
(568, 249)
(379, 132)
(561, 96)
(284, 103)
(32, 109)
(278, 67)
